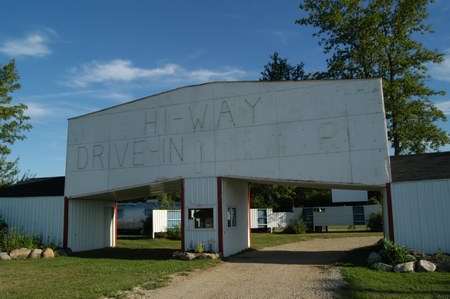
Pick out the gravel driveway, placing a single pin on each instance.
(296, 270)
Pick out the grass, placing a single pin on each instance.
(96, 273)
(261, 240)
(367, 283)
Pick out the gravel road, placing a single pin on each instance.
(296, 270)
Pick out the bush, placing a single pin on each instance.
(375, 222)
(11, 239)
(174, 233)
(296, 227)
(393, 253)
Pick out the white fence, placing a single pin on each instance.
(321, 216)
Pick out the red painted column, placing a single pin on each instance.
(389, 210)
(219, 212)
(182, 214)
(66, 222)
(249, 218)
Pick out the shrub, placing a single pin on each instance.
(393, 253)
(296, 226)
(375, 222)
(174, 233)
(3, 224)
(12, 239)
(147, 225)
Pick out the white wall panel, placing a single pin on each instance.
(333, 216)
(235, 195)
(159, 221)
(40, 216)
(200, 193)
(420, 214)
(90, 224)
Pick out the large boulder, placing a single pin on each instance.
(20, 254)
(374, 258)
(4, 256)
(48, 253)
(35, 254)
(61, 252)
(425, 266)
(187, 256)
(404, 267)
(382, 267)
(444, 266)
(208, 256)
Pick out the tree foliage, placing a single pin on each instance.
(279, 69)
(13, 122)
(377, 38)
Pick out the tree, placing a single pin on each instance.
(279, 69)
(377, 38)
(13, 122)
(167, 200)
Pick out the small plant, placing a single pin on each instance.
(394, 253)
(441, 257)
(375, 222)
(12, 239)
(211, 245)
(174, 233)
(200, 247)
(296, 226)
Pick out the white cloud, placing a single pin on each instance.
(32, 45)
(124, 71)
(39, 111)
(441, 71)
(444, 106)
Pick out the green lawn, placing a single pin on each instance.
(367, 283)
(96, 273)
(261, 240)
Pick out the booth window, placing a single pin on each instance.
(203, 218)
(231, 217)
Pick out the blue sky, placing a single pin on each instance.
(75, 57)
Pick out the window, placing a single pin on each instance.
(262, 218)
(203, 218)
(173, 219)
(231, 217)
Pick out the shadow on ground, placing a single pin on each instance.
(127, 253)
(288, 257)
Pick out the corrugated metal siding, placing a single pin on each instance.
(235, 195)
(200, 193)
(159, 219)
(90, 224)
(420, 215)
(368, 210)
(333, 216)
(41, 216)
(254, 218)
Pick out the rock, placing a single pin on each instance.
(425, 266)
(374, 258)
(444, 266)
(35, 254)
(176, 254)
(61, 252)
(4, 256)
(382, 267)
(48, 253)
(208, 256)
(186, 256)
(20, 254)
(410, 258)
(404, 267)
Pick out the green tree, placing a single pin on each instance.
(279, 69)
(378, 38)
(13, 122)
(167, 200)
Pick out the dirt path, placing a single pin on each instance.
(296, 270)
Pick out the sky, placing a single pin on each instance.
(75, 57)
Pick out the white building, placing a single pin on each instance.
(211, 140)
